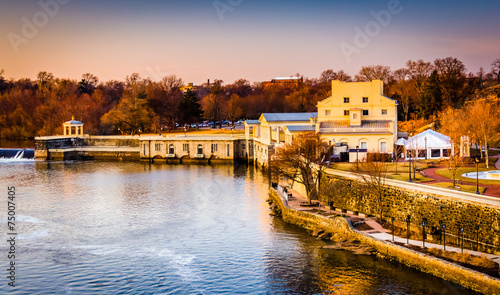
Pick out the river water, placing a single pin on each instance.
(140, 228)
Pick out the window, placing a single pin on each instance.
(365, 99)
(185, 147)
(228, 150)
(343, 143)
(243, 146)
(446, 152)
(365, 112)
(422, 153)
(199, 149)
(346, 99)
(435, 153)
(214, 147)
(346, 112)
(354, 116)
(384, 112)
(364, 145)
(171, 149)
(144, 149)
(328, 112)
(383, 147)
(157, 147)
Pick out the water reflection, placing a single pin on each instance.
(107, 227)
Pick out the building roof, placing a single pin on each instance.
(301, 128)
(287, 78)
(73, 122)
(289, 117)
(429, 138)
(255, 122)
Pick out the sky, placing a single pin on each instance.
(232, 39)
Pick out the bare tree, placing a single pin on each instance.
(302, 160)
(329, 75)
(452, 73)
(495, 68)
(380, 72)
(374, 174)
(454, 165)
(404, 89)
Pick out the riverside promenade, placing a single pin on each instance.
(295, 200)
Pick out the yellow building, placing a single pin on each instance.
(265, 134)
(359, 116)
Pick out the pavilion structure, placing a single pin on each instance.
(73, 127)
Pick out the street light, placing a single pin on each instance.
(392, 218)
(409, 166)
(408, 220)
(477, 175)
(425, 139)
(357, 150)
(423, 228)
(462, 231)
(444, 237)
(477, 237)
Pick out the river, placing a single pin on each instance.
(140, 228)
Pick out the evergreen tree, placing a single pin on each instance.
(190, 108)
(431, 97)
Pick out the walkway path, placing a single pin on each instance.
(377, 231)
(490, 190)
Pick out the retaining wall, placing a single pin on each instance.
(445, 270)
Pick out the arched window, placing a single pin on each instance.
(171, 149)
(199, 149)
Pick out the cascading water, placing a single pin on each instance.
(23, 155)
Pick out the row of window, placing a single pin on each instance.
(185, 148)
(347, 112)
(364, 146)
(347, 99)
(435, 153)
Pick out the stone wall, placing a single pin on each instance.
(477, 220)
(437, 267)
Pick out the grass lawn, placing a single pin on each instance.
(404, 177)
(391, 167)
(462, 188)
(446, 173)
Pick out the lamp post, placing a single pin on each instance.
(409, 166)
(408, 219)
(425, 139)
(392, 218)
(477, 175)
(477, 237)
(357, 150)
(423, 228)
(444, 237)
(462, 232)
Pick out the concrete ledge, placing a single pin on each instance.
(457, 274)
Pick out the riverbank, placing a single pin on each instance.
(339, 227)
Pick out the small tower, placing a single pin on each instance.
(73, 127)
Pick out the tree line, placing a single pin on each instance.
(38, 107)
